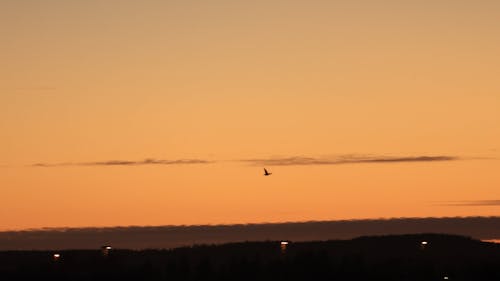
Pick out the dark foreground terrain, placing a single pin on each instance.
(401, 257)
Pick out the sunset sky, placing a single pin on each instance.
(165, 112)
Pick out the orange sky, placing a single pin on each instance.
(224, 81)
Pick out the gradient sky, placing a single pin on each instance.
(83, 83)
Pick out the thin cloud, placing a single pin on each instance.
(279, 161)
(473, 203)
(346, 159)
(128, 163)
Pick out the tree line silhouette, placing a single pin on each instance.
(401, 257)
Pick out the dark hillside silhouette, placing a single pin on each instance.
(367, 258)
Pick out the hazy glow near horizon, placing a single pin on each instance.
(220, 81)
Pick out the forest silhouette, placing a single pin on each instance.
(391, 257)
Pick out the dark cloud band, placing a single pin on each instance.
(177, 236)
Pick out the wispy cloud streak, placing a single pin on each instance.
(128, 163)
(279, 161)
(473, 203)
(345, 159)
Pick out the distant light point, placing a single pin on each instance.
(283, 246)
(105, 250)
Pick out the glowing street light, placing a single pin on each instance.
(56, 257)
(105, 250)
(423, 244)
(283, 245)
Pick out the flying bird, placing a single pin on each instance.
(266, 173)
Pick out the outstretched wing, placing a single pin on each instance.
(266, 172)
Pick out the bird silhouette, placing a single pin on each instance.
(266, 173)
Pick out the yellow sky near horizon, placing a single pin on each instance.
(94, 81)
